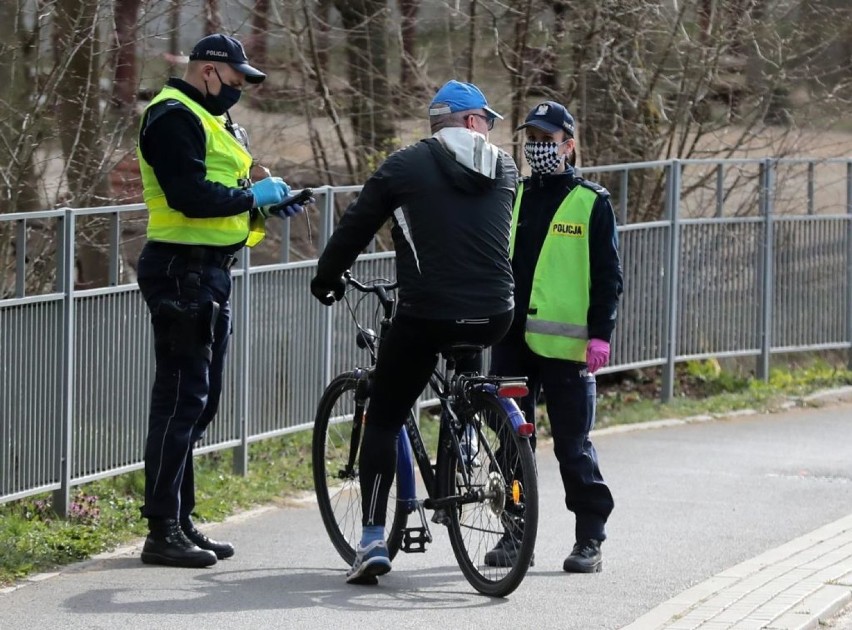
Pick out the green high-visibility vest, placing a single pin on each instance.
(559, 301)
(227, 162)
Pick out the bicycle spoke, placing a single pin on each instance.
(504, 476)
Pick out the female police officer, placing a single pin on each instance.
(564, 249)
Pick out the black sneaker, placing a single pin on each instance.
(584, 558)
(221, 549)
(505, 552)
(168, 545)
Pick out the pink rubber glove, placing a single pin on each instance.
(597, 354)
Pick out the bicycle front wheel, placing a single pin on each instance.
(504, 517)
(338, 431)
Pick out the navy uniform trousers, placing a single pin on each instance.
(188, 379)
(569, 393)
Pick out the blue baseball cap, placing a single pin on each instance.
(219, 47)
(551, 117)
(456, 96)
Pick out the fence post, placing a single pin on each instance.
(849, 260)
(673, 206)
(765, 267)
(64, 450)
(243, 367)
(328, 313)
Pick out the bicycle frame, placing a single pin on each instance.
(410, 447)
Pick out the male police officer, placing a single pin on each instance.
(202, 208)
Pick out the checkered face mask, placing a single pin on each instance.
(543, 157)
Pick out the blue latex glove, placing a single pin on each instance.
(291, 211)
(269, 191)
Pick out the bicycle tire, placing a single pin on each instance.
(339, 493)
(475, 528)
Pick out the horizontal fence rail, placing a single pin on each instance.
(743, 258)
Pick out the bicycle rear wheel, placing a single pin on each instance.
(338, 431)
(501, 467)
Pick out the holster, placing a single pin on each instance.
(190, 327)
(191, 322)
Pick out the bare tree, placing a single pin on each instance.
(20, 129)
(365, 22)
(173, 34)
(645, 80)
(125, 78)
(212, 17)
(256, 46)
(322, 18)
(408, 31)
(80, 128)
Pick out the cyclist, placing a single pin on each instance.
(450, 198)
(568, 273)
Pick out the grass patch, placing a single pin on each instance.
(105, 514)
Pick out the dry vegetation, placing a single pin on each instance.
(349, 82)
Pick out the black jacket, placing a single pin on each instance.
(541, 198)
(450, 231)
(172, 141)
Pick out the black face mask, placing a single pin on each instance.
(218, 104)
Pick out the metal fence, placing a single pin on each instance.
(743, 264)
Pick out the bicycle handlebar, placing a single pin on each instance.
(378, 287)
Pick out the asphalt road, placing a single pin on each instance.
(691, 500)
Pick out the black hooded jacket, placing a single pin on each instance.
(450, 231)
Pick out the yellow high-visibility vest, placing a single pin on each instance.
(227, 162)
(559, 302)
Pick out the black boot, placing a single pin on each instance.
(166, 544)
(584, 558)
(505, 552)
(221, 549)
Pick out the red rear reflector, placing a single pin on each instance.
(512, 390)
(527, 429)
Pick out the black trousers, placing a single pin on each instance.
(190, 355)
(405, 362)
(569, 393)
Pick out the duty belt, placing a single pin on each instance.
(207, 255)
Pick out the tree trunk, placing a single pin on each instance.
(472, 41)
(549, 77)
(212, 17)
(125, 82)
(256, 47)
(323, 26)
(408, 65)
(517, 79)
(19, 128)
(365, 23)
(80, 131)
(174, 35)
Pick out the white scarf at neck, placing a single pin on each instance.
(470, 149)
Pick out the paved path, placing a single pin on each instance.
(741, 523)
(796, 585)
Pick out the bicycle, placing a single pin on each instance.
(482, 487)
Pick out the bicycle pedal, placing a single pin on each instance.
(414, 539)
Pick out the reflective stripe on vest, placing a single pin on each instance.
(557, 328)
(559, 299)
(226, 161)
